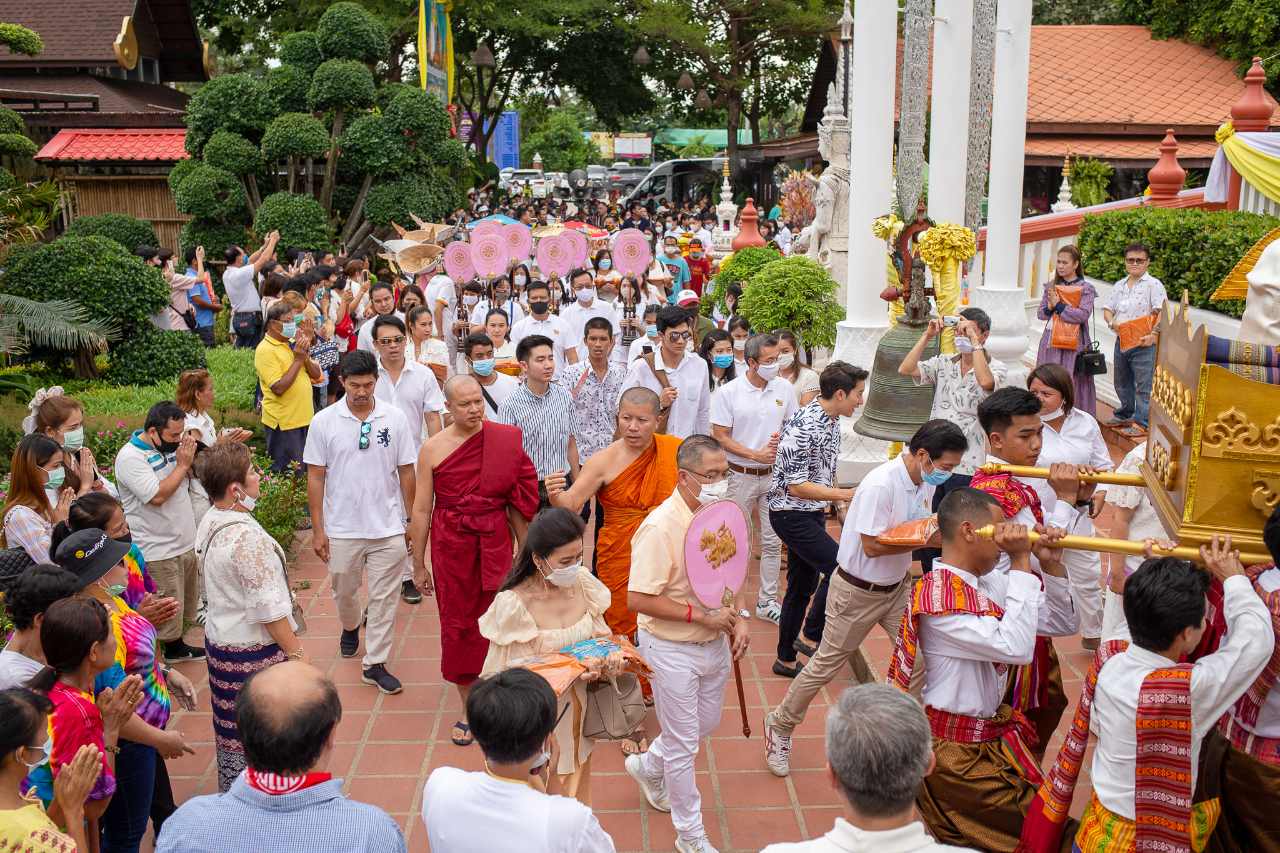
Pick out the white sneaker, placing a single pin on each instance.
(769, 610)
(655, 791)
(695, 845)
(777, 750)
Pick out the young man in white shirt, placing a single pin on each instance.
(360, 454)
(495, 386)
(685, 395)
(746, 418)
(542, 322)
(412, 388)
(879, 748)
(1133, 517)
(505, 808)
(586, 306)
(382, 298)
(238, 281)
(869, 586)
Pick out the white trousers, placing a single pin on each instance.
(1084, 572)
(748, 492)
(383, 559)
(688, 692)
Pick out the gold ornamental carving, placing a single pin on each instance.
(1266, 492)
(1164, 463)
(1231, 435)
(1173, 396)
(125, 46)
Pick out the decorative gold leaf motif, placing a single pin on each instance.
(1266, 491)
(719, 547)
(1232, 434)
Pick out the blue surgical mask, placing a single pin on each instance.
(651, 331)
(936, 477)
(483, 367)
(724, 360)
(606, 263)
(289, 329)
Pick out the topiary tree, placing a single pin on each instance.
(232, 153)
(793, 293)
(235, 102)
(216, 237)
(210, 193)
(154, 355)
(297, 139)
(11, 122)
(179, 173)
(130, 232)
(300, 220)
(287, 87)
(738, 269)
(338, 85)
(395, 201)
(348, 31)
(371, 148)
(302, 51)
(20, 39)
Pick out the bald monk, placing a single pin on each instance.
(477, 486)
(629, 477)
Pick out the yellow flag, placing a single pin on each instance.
(422, 44)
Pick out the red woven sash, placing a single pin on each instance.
(1162, 775)
(938, 593)
(1247, 706)
(1012, 493)
(1046, 819)
(1008, 726)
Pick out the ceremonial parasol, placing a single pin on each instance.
(717, 546)
(631, 253)
(499, 218)
(418, 257)
(519, 241)
(457, 261)
(489, 255)
(555, 255)
(489, 228)
(578, 243)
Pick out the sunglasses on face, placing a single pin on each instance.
(365, 428)
(387, 342)
(1135, 260)
(678, 337)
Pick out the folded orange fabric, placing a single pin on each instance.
(1129, 333)
(916, 532)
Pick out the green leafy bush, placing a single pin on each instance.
(130, 232)
(234, 380)
(210, 193)
(234, 102)
(20, 39)
(11, 121)
(295, 135)
(370, 146)
(340, 83)
(1090, 179)
(1191, 249)
(232, 153)
(349, 31)
(282, 504)
(299, 218)
(287, 87)
(180, 172)
(302, 51)
(99, 273)
(17, 146)
(738, 269)
(153, 355)
(430, 198)
(451, 154)
(794, 293)
(420, 118)
(214, 236)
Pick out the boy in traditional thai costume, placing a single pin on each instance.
(969, 625)
(1010, 419)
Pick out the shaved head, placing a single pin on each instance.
(640, 396)
(457, 382)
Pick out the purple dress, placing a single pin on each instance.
(1086, 396)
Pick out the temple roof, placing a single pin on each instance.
(86, 100)
(111, 145)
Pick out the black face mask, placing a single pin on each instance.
(539, 307)
(166, 447)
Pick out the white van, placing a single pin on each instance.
(677, 181)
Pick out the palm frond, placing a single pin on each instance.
(60, 324)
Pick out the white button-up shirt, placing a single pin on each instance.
(752, 414)
(575, 317)
(1217, 680)
(415, 394)
(1144, 524)
(885, 498)
(956, 397)
(844, 837)
(691, 411)
(1078, 441)
(1129, 302)
(553, 327)
(364, 338)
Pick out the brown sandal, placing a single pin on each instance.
(635, 743)
(466, 738)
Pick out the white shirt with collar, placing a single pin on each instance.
(554, 327)
(1129, 302)
(364, 338)
(416, 393)
(511, 307)
(1077, 440)
(1217, 681)
(752, 413)
(575, 316)
(691, 411)
(885, 498)
(362, 487)
(844, 837)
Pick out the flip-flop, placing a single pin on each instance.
(635, 743)
(467, 739)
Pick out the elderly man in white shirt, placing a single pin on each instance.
(676, 376)
(879, 748)
(746, 418)
(1139, 296)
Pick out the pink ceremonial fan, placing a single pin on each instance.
(519, 241)
(631, 253)
(457, 261)
(578, 243)
(490, 227)
(489, 255)
(556, 255)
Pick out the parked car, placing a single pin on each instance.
(674, 181)
(531, 178)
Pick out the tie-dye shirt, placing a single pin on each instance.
(137, 653)
(74, 722)
(140, 583)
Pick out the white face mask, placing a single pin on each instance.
(786, 360)
(1045, 417)
(739, 343)
(963, 345)
(586, 295)
(767, 371)
(712, 492)
(45, 751)
(564, 576)
(470, 299)
(522, 279)
(247, 501)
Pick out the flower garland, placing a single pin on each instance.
(887, 227)
(943, 247)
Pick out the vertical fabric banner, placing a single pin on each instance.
(422, 44)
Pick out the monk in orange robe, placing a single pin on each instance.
(630, 477)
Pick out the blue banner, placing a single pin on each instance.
(504, 145)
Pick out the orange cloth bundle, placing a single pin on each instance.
(1066, 335)
(605, 656)
(1134, 330)
(510, 367)
(916, 533)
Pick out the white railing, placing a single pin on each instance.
(1253, 200)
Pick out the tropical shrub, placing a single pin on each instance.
(299, 218)
(130, 232)
(794, 293)
(153, 355)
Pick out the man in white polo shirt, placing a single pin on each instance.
(746, 418)
(412, 388)
(541, 322)
(382, 297)
(586, 305)
(870, 585)
(360, 454)
(678, 377)
(238, 280)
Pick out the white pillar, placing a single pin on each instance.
(949, 118)
(1001, 294)
(875, 39)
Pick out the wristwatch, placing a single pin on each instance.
(744, 613)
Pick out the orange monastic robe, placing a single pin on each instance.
(642, 485)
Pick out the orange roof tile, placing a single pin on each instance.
(115, 145)
(1047, 150)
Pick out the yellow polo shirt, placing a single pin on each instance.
(293, 408)
(657, 568)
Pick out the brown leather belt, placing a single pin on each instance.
(755, 472)
(869, 587)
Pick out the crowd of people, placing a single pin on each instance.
(475, 443)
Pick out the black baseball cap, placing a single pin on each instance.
(89, 554)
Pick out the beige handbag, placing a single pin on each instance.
(614, 708)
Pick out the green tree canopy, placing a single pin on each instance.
(561, 144)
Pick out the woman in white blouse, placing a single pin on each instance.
(195, 397)
(249, 624)
(1072, 436)
(802, 378)
(424, 347)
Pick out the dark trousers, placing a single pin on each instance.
(206, 335)
(811, 558)
(125, 821)
(284, 446)
(926, 556)
(595, 535)
(162, 804)
(246, 328)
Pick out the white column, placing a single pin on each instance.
(1001, 294)
(871, 87)
(949, 119)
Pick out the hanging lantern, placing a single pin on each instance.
(685, 82)
(483, 57)
(641, 56)
(703, 101)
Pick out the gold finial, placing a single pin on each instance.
(1066, 164)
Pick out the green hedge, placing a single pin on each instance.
(153, 355)
(126, 230)
(1191, 249)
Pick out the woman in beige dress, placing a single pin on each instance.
(548, 602)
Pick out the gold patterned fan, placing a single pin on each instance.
(1236, 285)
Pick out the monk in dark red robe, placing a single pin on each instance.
(477, 486)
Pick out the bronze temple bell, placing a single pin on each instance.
(896, 406)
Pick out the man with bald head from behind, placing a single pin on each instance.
(477, 487)
(285, 799)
